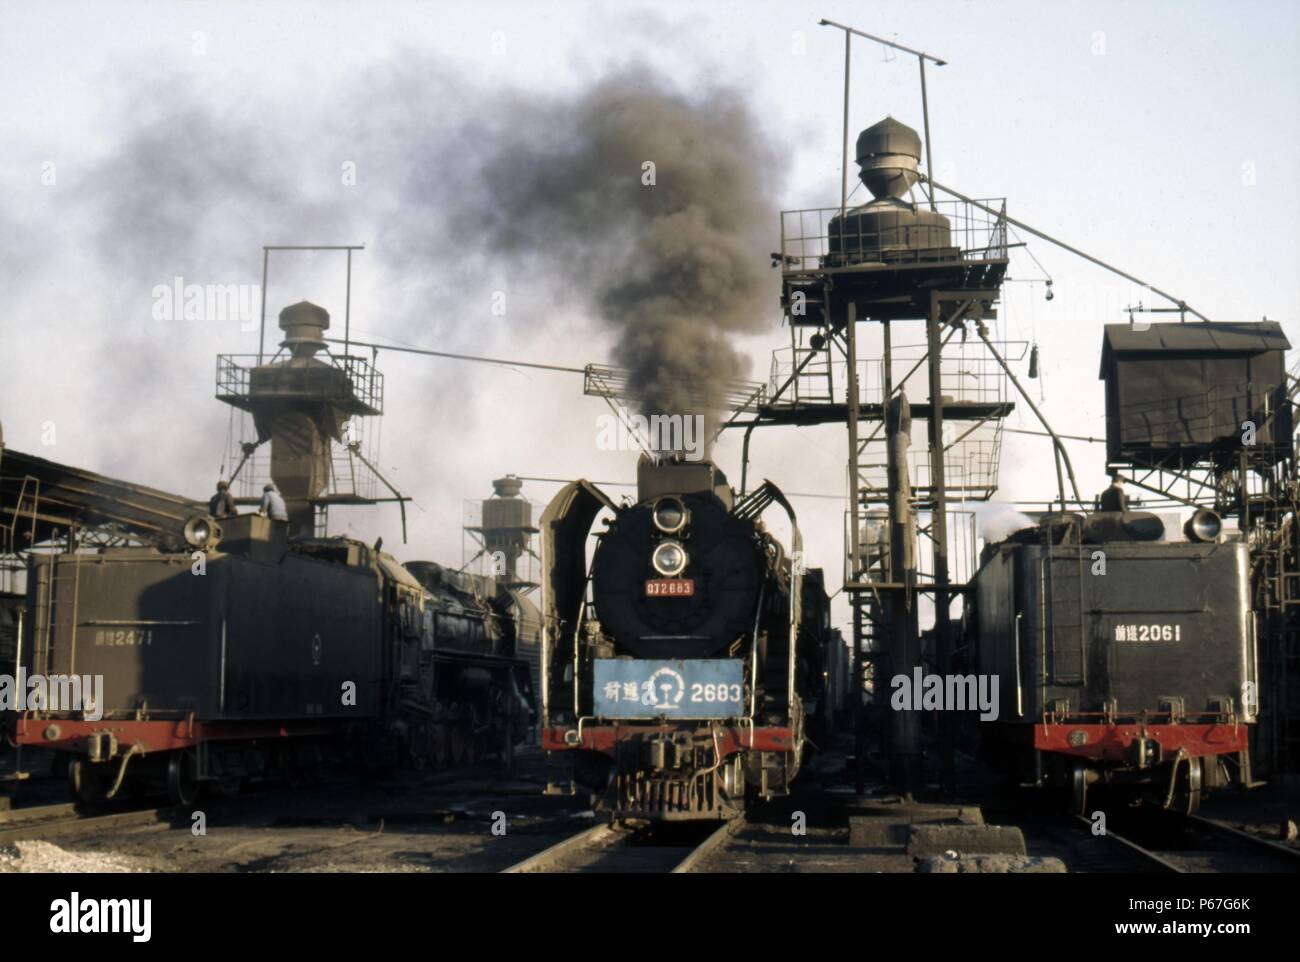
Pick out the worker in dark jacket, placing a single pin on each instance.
(1114, 498)
(222, 505)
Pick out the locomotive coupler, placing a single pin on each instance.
(101, 746)
(1145, 752)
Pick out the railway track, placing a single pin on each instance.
(666, 848)
(1113, 852)
(1267, 855)
(1169, 842)
(64, 820)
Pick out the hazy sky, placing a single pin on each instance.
(1162, 137)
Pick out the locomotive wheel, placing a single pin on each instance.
(1187, 787)
(87, 781)
(1079, 790)
(182, 778)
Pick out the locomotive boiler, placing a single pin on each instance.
(1125, 662)
(685, 667)
(256, 654)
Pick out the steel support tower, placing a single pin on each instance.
(891, 261)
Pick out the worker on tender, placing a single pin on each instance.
(1114, 498)
(273, 505)
(222, 505)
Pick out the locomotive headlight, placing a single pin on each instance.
(669, 559)
(201, 532)
(1203, 526)
(669, 515)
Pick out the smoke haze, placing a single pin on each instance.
(652, 205)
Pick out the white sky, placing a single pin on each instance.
(1160, 136)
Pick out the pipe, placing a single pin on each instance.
(261, 337)
(134, 750)
(925, 111)
(505, 362)
(984, 336)
(1002, 215)
(744, 456)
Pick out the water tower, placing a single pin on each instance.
(503, 535)
(308, 404)
(314, 407)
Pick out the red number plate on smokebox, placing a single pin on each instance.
(669, 588)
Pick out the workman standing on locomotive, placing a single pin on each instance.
(1115, 498)
(273, 505)
(222, 505)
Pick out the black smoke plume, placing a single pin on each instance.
(671, 256)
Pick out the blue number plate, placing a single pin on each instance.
(688, 688)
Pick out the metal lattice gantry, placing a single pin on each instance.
(849, 277)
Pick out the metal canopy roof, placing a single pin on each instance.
(52, 496)
(1216, 337)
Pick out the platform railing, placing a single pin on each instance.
(615, 383)
(234, 376)
(807, 235)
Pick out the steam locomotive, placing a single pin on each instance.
(258, 654)
(1127, 663)
(688, 667)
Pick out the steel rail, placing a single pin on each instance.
(1161, 863)
(552, 858)
(84, 824)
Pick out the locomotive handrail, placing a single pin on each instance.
(753, 657)
(753, 505)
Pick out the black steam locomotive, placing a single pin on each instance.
(1124, 662)
(258, 654)
(687, 667)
